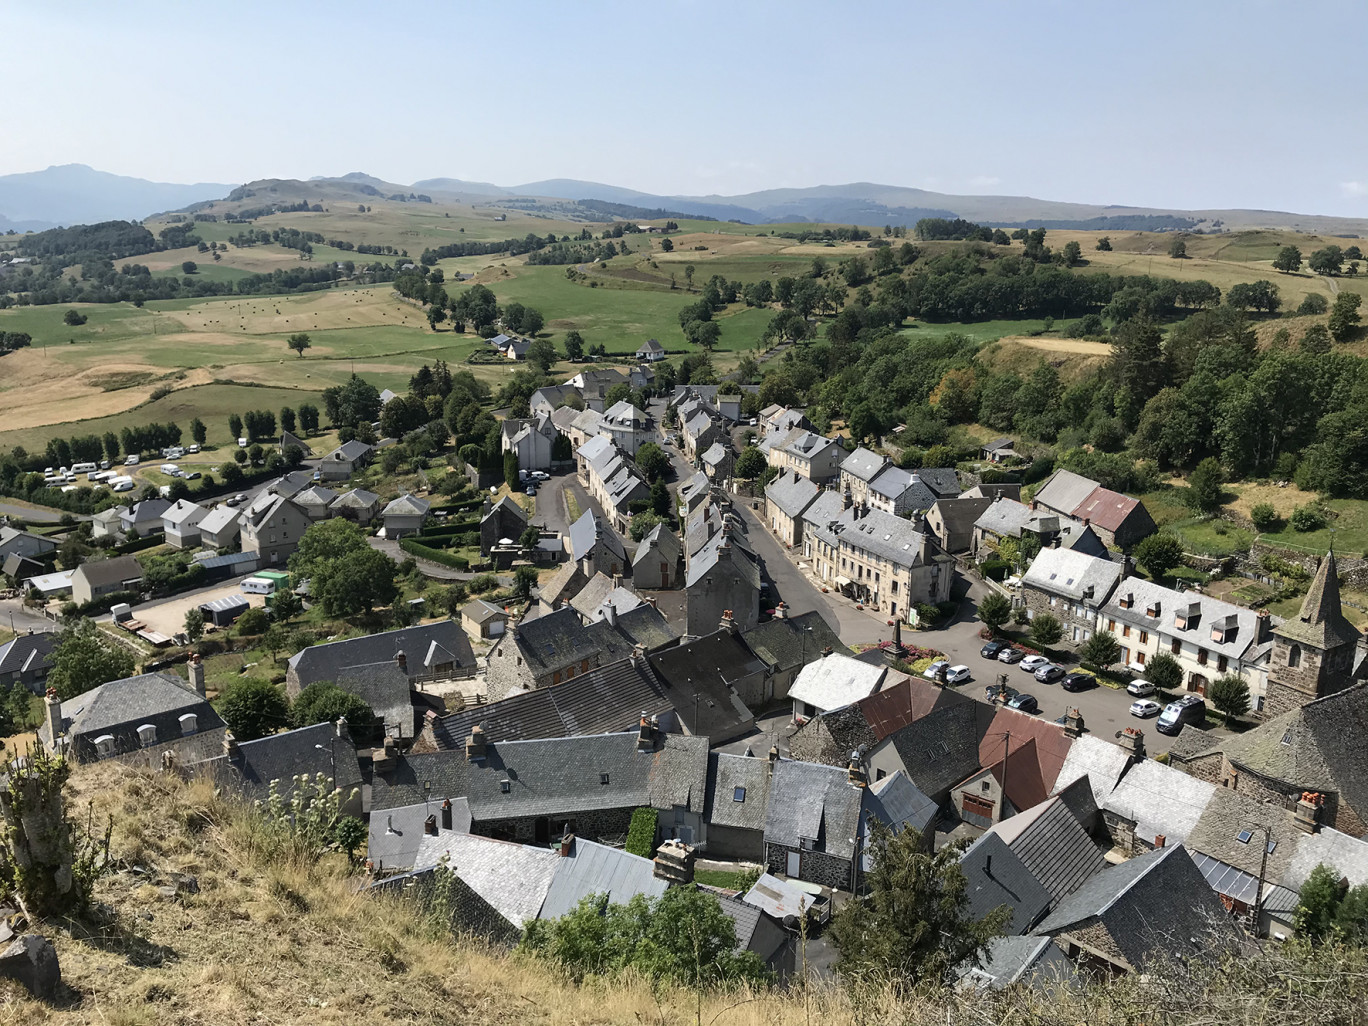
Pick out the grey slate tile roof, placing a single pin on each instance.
(316, 495)
(27, 653)
(282, 757)
(326, 661)
(104, 572)
(1241, 642)
(555, 777)
(792, 493)
(897, 801)
(943, 481)
(513, 878)
(810, 800)
(903, 487)
(1053, 845)
(593, 868)
(1074, 575)
(396, 834)
(717, 452)
(1100, 761)
(1321, 621)
(1349, 856)
(660, 544)
(785, 643)
(703, 667)
(350, 451)
(884, 535)
(139, 698)
(939, 749)
(606, 699)
(1037, 961)
(483, 612)
(835, 681)
(407, 505)
(998, 877)
(863, 464)
(1151, 905)
(218, 519)
(1004, 518)
(738, 790)
(385, 688)
(591, 530)
(1161, 800)
(713, 554)
(1318, 747)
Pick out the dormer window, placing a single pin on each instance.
(1126, 601)
(147, 734)
(189, 724)
(104, 745)
(1152, 610)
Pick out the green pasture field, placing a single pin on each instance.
(1347, 533)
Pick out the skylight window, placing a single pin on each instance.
(1287, 736)
(603, 778)
(1244, 835)
(1271, 846)
(738, 794)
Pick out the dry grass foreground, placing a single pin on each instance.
(294, 944)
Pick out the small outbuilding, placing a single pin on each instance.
(223, 611)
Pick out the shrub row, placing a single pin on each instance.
(415, 548)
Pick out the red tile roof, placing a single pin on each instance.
(1046, 738)
(893, 708)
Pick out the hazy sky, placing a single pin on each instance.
(1188, 104)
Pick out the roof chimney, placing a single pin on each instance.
(855, 773)
(1073, 723)
(1160, 840)
(385, 757)
(446, 813)
(430, 826)
(773, 757)
(340, 729)
(610, 613)
(846, 499)
(1307, 813)
(781, 611)
(475, 744)
(646, 731)
(728, 622)
(674, 863)
(1132, 741)
(230, 747)
(197, 674)
(567, 846)
(402, 660)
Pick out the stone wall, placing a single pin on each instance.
(508, 671)
(1038, 602)
(185, 750)
(595, 825)
(1206, 766)
(814, 866)
(726, 842)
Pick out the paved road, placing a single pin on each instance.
(13, 614)
(36, 516)
(426, 567)
(551, 511)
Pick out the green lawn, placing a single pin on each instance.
(1347, 532)
(1215, 538)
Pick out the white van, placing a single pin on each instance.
(83, 468)
(170, 468)
(132, 461)
(258, 586)
(121, 484)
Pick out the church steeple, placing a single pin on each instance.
(1321, 621)
(1313, 652)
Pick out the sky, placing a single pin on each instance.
(1193, 104)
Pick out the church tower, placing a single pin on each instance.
(1313, 652)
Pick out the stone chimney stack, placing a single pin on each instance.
(1131, 741)
(728, 622)
(386, 757)
(196, 667)
(610, 613)
(674, 863)
(430, 826)
(855, 771)
(773, 758)
(475, 744)
(446, 813)
(646, 732)
(230, 747)
(846, 499)
(781, 611)
(1307, 812)
(51, 729)
(1073, 723)
(402, 660)
(340, 729)
(567, 846)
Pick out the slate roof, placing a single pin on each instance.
(896, 800)
(960, 514)
(103, 572)
(282, 757)
(785, 643)
(483, 612)
(941, 748)
(561, 584)
(695, 485)
(218, 519)
(863, 464)
(396, 834)
(1153, 904)
(1037, 961)
(506, 507)
(778, 898)
(792, 494)
(593, 868)
(998, 877)
(1053, 845)
(555, 777)
(350, 452)
(288, 439)
(147, 511)
(659, 544)
(592, 595)
(1100, 761)
(903, 487)
(1004, 518)
(801, 442)
(1349, 856)
(1160, 800)
(606, 699)
(714, 553)
(385, 688)
(1065, 491)
(1072, 574)
(1242, 643)
(703, 667)
(810, 800)
(1321, 621)
(27, 652)
(998, 444)
(717, 452)
(650, 346)
(884, 535)
(316, 495)
(183, 512)
(407, 505)
(836, 681)
(943, 481)
(9, 534)
(591, 530)
(738, 790)
(326, 661)
(623, 414)
(1318, 747)
(135, 700)
(513, 878)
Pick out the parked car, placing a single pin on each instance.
(1188, 709)
(993, 649)
(1140, 688)
(193, 475)
(531, 489)
(957, 675)
(241, 497)
(1144, 708)
(1049, 673)
(540, 475)
(1010, 655)
(1078, 682)
(193, 448)
(1024, 703)
(933, 671)
(1032, 663)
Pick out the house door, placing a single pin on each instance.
(795, 863)
(664, 575)
(541, 831)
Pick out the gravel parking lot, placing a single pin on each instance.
(167, 616)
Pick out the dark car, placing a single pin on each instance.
(1024, 703)
(1078, 682)
(1050, 673)
(993, 649)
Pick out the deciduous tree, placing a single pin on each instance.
(253, 708)
(995, 610)
(84, 659)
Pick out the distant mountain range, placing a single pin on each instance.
(75, 193)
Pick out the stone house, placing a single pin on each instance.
(504, 519)
(271, 528)
(806, 453)
(787, 497)
(1072, 587)
(858, 470)
(656, 561)
(718, 461)
(1118, 519)
(721, 581)
(717, 680)
(951, 521)
(596, 548)
(787, 644)
(532, 440)
(628, 427)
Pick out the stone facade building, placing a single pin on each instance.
(1071, 586)
(1314, 652)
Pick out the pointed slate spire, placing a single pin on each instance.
(1321, 622)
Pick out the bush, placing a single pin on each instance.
(1307, 518)
(1264, 516)
(254, 621)
(482, 583)
(415, 548)
(927, 613)
(253, 708)
(995, 569)
(642, 833)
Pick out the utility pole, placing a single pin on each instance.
(1263, 869)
